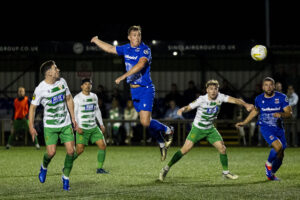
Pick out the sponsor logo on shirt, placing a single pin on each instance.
(89, 107)
(58, 98)
(270, 109)
(131, 57)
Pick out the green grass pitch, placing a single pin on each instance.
(134, 173)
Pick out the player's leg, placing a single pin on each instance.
(67, 137)
(82, 139)
(188, 145)
(14, 127)
(98, 138)
(216, 140)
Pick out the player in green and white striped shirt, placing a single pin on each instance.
(54, 94)
(86, 112)
(208, 107)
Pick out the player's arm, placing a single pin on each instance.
(233, 100)
(76, 111)
(287, 113)
(251, 115)
(70, 104)
(136, 68)
(31, 117)
(104, 46)
(184, 109)
(99, 118)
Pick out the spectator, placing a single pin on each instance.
(20, 118)
(101, 93)
(190, 93)
(172, 111)
(115, 114)
(129, 114)
(291, 129)
(278, 87)
(227, 108)
(102, 108)
(174, 95)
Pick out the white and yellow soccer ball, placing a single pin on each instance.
(259, 52)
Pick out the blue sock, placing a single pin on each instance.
(157, 136)
(272, 155)
(157, 126)
(276, 164)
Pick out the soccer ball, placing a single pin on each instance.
(259, 52)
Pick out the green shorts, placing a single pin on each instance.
(64, 133)
(212, 135)
(20, 125)
(87, 135)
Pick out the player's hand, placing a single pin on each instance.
(33, 133)
(249, 107)
(240, 124)
(118, 80)
(179, 112)
(102, 128)
(94, 39)
(277, 115)
(79, 130)
(75, 125)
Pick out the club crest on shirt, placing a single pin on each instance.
(146, 52)
(277, 101)
(271, 137)
(286, 99)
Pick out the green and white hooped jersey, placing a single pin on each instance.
(207, 110)
(87, 110)
(53, 98)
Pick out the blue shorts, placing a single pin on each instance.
(143, 97)
(273, 133)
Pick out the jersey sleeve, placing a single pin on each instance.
(146, 53)
(67, 87)
(285, 101)
(120, 50)
(36, 97)
(223, 97)
(196, 103)
(256, 103)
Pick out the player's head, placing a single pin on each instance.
(49, 69)
(212, 88)
(21, 91)
(135, 35)
(268, 86)
(86, 85)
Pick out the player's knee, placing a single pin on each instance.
(145, 122)
(222, 149)
(102, 147)
(70, 151)
(79, 151)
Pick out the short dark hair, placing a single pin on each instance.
(134, 28)
(269, 79)
(46, 66)
(86, 80)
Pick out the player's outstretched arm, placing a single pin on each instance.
(184, 109)
(104, 46)
(287, 113)
(251, 115)
(233, 100)
(31, 117)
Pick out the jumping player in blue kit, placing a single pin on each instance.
(272, 107)
(138, 58)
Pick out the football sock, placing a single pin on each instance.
(276, 165)
(101, 157)
(10, 139)
(36, 140)
(272, 155)
(46, 160)
(68, 165)
(176, 157)
(75, 156)
(224, 161)
(157, 126)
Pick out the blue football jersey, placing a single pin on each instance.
(132, 56)
(268, 106)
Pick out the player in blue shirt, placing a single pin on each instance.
(138, 58)
(272, 107)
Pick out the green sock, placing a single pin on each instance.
(46, 160)
(75, 156)
(36, 140)
(68, 165)
(10, 139)
(101, 157)
(177, 156)
(224, 161)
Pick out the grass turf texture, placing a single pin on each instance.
(134, 173)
